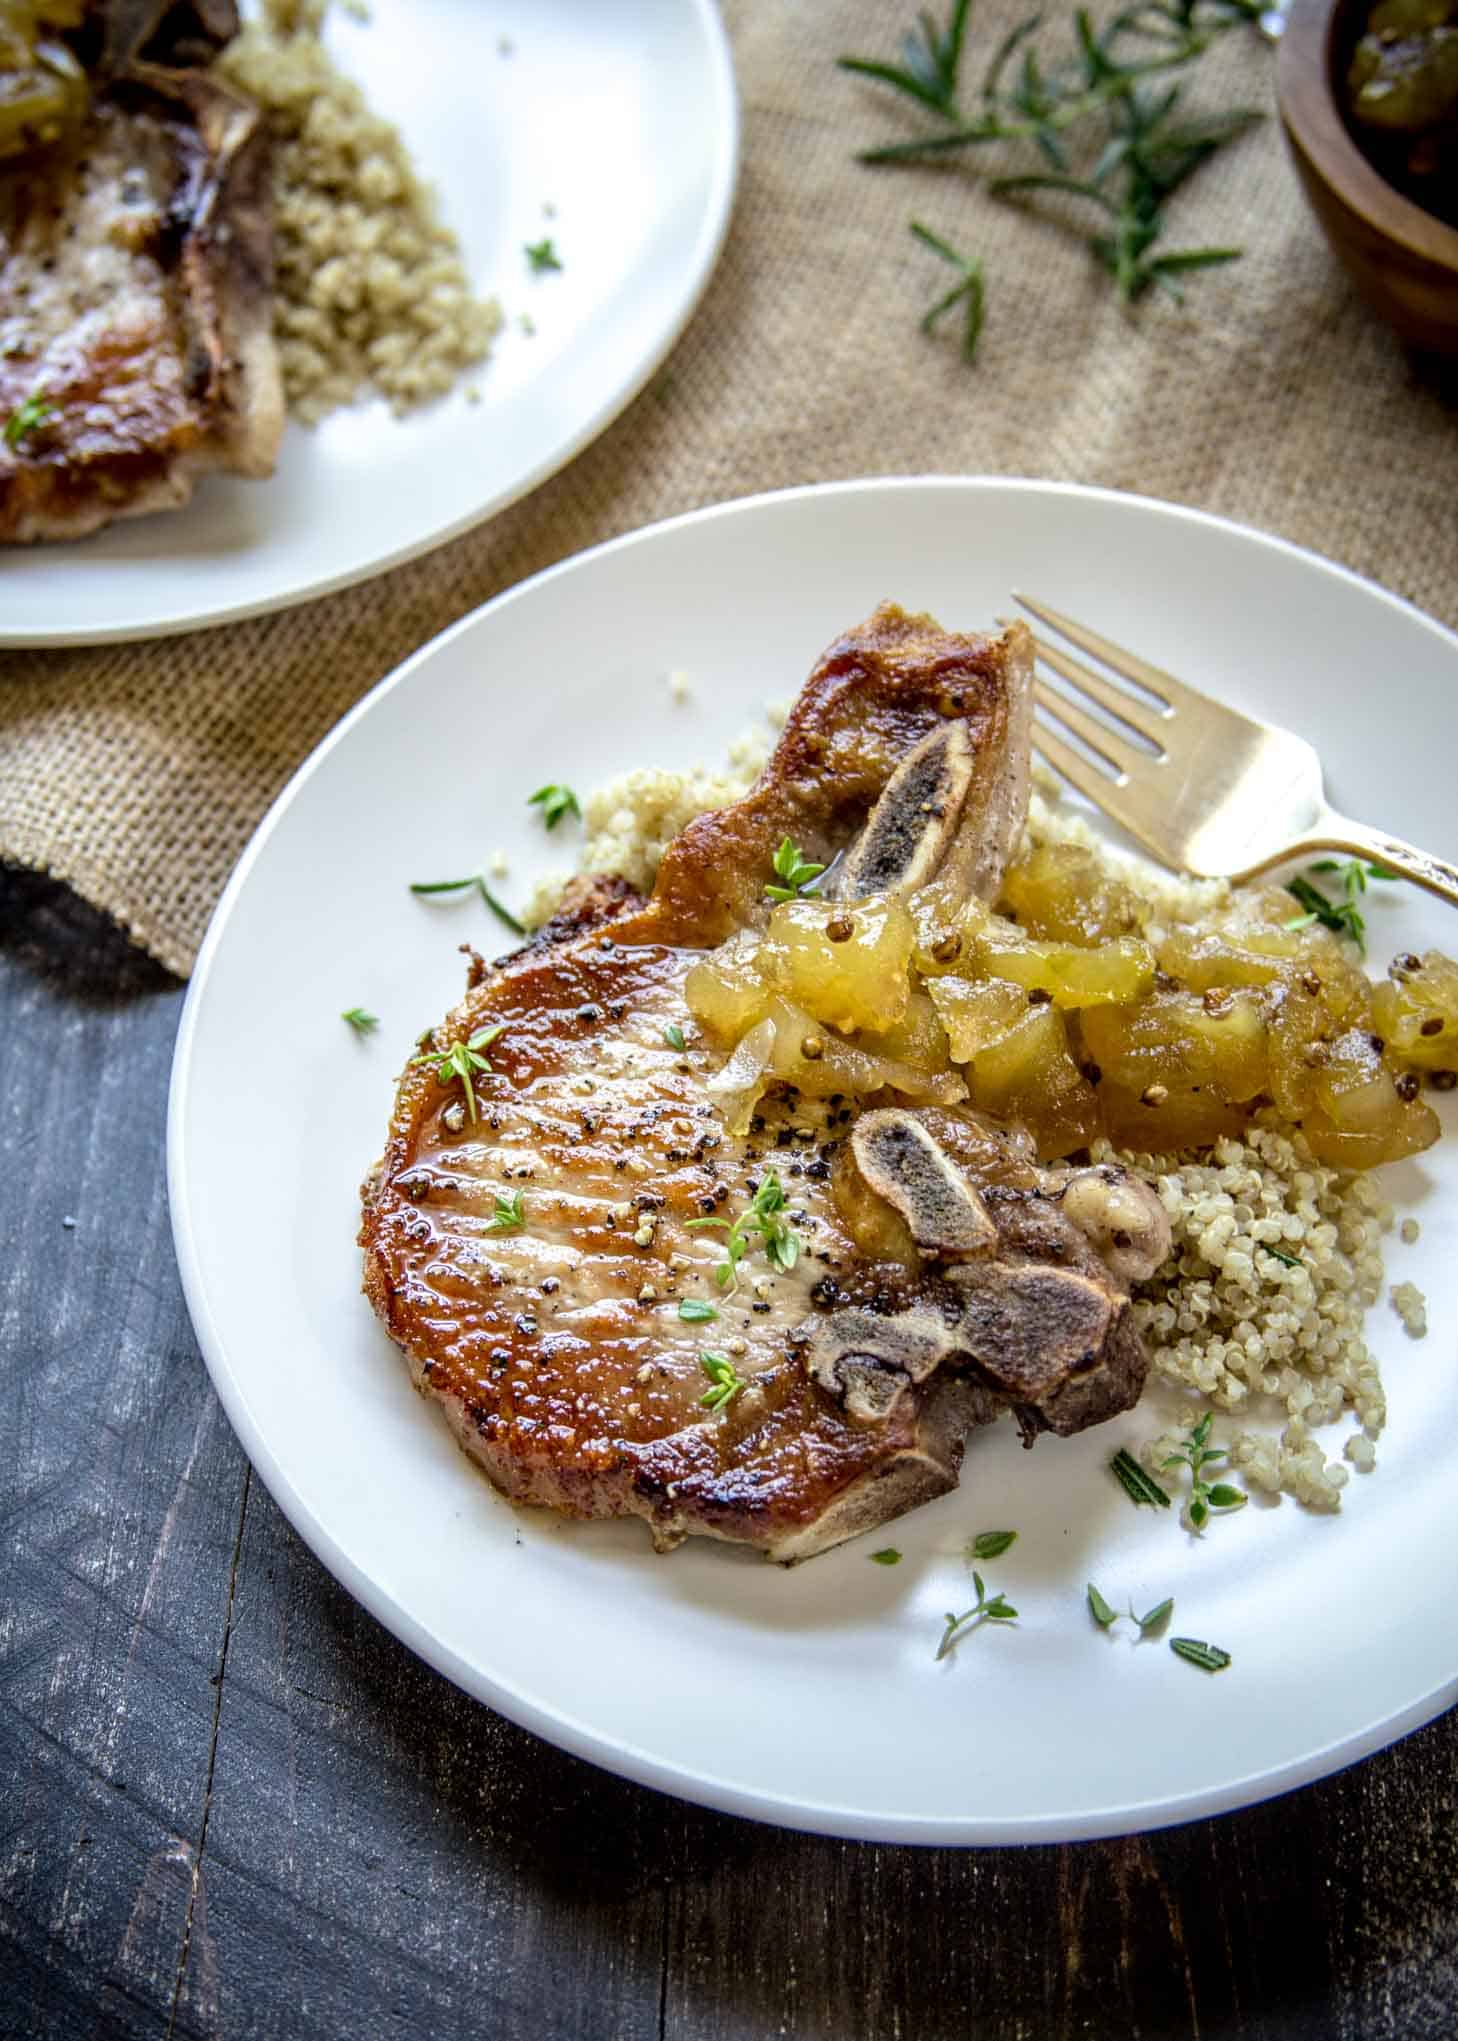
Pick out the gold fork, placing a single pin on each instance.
(1209, 791)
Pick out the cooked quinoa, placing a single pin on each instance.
(370, 296)
(1275, 1259)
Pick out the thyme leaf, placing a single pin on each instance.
(363, 1023)
(1099, 1609)
(992, 1544)
(725, 1381)
(673, 1035)
(987, 1609)
(554, 802)
(796, 874)
(697, 1310)
(887, 1556)
(1158, 1615)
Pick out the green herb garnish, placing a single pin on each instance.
(478, 880)
(724, 1378)
(554, 802)
(542, 255)
(1099, 1609)
(992, 1544)
(1292, 1261)
(1209, 1657)
(1109, 138)
(462, 1060)
(510, 1214)
(797, 875)
(1342, 916)
(887, 1556)
(988, 1609)
(1160, 1613)
(764, 1216)
(28, 417)
(1136, 1484)
(968, 291)
(1195, 1454)
(359, 1020)
(673, 1035)
(697, 1311)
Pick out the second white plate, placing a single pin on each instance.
(811, 1697)
(610, 125)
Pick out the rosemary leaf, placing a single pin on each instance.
(1209, 1657)
(1136, 1484)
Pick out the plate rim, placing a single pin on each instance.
(562, 1728)
(709, 246)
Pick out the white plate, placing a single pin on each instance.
(809, 1697)
(619, 116)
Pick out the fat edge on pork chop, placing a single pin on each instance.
(528, 1241)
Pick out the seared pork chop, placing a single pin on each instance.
(136, 266)
(529, 1240)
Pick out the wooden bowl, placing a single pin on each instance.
(1403, 261)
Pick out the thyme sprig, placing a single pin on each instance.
(1342, 916)
(555, 801)
(478, 880)
(461, 1061)
(1197, 1454)
(988, 1609)
(1110, 137)
(764, 1215)
(725, 1380)
(798, 875)
(510, 1214)
(363, 1023)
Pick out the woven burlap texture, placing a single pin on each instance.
(137, 772)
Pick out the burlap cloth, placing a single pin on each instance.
(137, 772)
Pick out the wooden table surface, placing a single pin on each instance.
(232, 1804)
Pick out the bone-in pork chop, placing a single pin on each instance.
(136, 268)
(530, 1236)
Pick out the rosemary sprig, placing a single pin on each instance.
(478, 880)
(363, 1023)
(796, 874)
(968, 291)
(28, 417)
(1209, 1657)
(725, 1381)
(1106, 140)
(1136, 1484)
(461, 1061)
(1196, 1454)
(763, 1215)
(1342, 916)
(554, 802)
(988, 1609)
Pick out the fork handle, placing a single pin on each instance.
(1339, 832)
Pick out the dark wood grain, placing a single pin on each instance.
(231, 1805)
